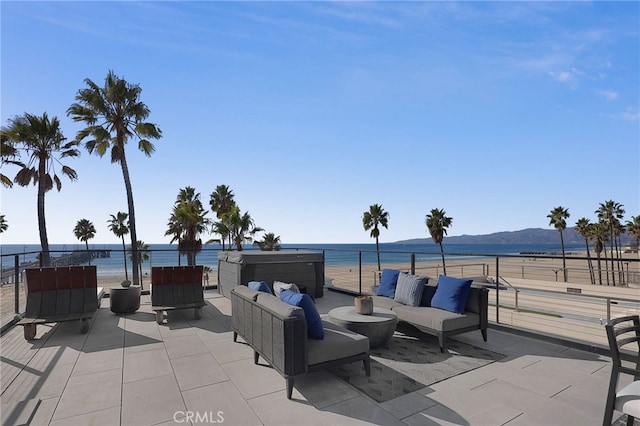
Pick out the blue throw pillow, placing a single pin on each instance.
(315, 330)
(259, 286)
(388, 283)
(451, 294)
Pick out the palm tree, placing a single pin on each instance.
(269, 242)
(3, 224)
(585, 228)
(558, 218)
(599, 234)
(143, 254)
(241, 227)
(610, 213)
(84, 231)
(437, 223)
(222, 202)
(8, 155)
(633, 229)
(372, 220)
(119, 226)
(114, 114)
(187, 222)
(42, 140)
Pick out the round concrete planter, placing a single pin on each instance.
(124, 300)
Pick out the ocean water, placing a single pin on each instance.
(335, 254)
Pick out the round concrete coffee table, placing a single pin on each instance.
(378, 327)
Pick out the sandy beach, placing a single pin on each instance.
(347, 277)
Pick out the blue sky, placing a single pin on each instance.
(496, 112)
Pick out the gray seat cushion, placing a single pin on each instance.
(385, 302)
(436, 319)
(338, 343)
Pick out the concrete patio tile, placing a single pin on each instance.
(362, 410)
(229, 351)
(32, 411)
(220, 401)
(90, 392)
(57, 355)
(99, 361)
(407, 405)
(176, 326)
(146, 365)
(497, 414)
(436, 415)
(322, 389)
(106, 417)
(532, 380)
(184, 345)
(544, 408)
(151, 401)
(197, 371)
(587, 388)
(253, 380)
(109, 338)
(38, 384)
(275, 409)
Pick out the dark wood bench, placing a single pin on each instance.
(176, 287)
(58, 294)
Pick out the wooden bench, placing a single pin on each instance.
(176, 287)
(58, 294)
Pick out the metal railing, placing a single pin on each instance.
(357, 272)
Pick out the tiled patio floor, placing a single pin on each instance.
(128, 370)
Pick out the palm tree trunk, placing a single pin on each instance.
(619, 256)
(564, 260)
(613, 270)
(86, 242)
(444, 267)
(599, 269)
(132, 219)
(378, 252)
(45, 258)
(590, 264)
(606, 264)
(124, 255)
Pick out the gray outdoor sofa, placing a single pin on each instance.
(441, 323)
(277, 332)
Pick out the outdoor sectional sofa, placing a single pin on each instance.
(277, 332)
(439, 322)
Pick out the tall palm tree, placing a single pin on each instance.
(241, 226)
(187, 222)
(84, 231)
(609, 213)
(222, 202)
(633, 229)
(558, 219)
(437, 223)
(42, 140)
(599, 234)
(3, 224)
(8, 155)
(372, 220)
(113, 115)
(585, 228)
(143, 254)
(119, 226)
(269, 242)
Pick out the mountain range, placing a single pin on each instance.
(523, 236)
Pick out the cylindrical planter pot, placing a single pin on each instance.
(363, 305)
(124, 300)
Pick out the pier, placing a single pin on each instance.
(76, 257)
